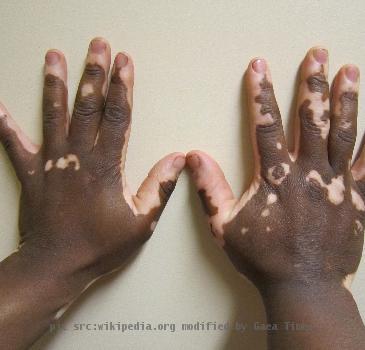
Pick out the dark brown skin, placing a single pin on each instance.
(77, 219)
(297, 232)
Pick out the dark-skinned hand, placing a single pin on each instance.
(78, 220)
(297, 232)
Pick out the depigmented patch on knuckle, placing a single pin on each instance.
(63, 162)
(269, 111)
(314, 118)
(277, 174)
(335, 189)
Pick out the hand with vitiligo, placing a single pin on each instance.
(78, 221)
(297, 231)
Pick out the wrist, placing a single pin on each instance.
(59, 273)
(322, 313)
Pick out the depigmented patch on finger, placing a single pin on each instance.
(269, 110)
(277, 174)
(49, 165)
(247, 196)
(315, 117)
(335, 189)
(357, 201)
(87, 89)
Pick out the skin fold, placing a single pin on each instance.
(78, 221)
(297, 232)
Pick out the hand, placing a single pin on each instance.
(300, 223)
(78, 220)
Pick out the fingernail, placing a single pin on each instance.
(121, 60)
(259, 65)
(97, 46)
(179, 162)
(52, 57)
(320, 55)
(193, 161)
(352, 73)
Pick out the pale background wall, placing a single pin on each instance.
(189, 57)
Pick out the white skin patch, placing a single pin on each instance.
(335, 189)
(31, 172)
(87, 89)
(265, 119)
(279, 146)
(153, 225)
(271, 198)
(318, 108)
(244, 230)
(268, 229)
(271, 177)
(56, 105)
(246, 197)
(61, 311)
(359, 227)
(265, 213)
(357, 200)
(49, 165)
(64, 162)
(348, 281)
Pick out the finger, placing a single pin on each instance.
(115, 125)
(90, 96)
(155, 191)
(270, 148)
(313, 108)
(17, 145)
(342, 135)
(55, 109)
(213, 189)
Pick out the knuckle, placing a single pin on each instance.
(269, 129)
(86, 108)
(347, 136)
(349, 101)
(94, 72)
(52, 117)
(318, 83)
(52, 82)
(116, 112)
